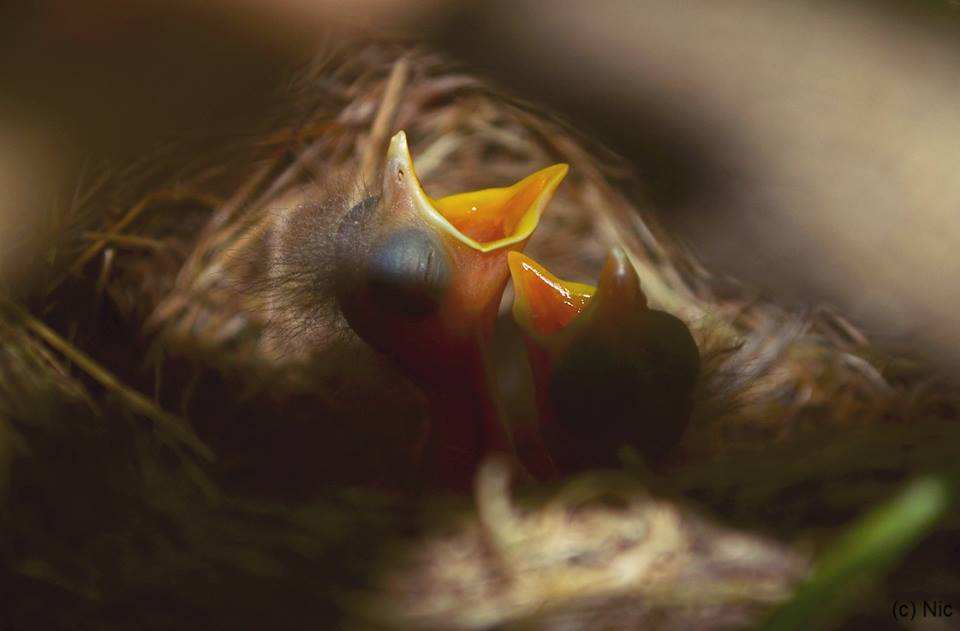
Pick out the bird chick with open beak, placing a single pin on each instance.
(608, 370)
(420, 280)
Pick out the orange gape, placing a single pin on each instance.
(422, 282)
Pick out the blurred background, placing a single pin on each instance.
(808, 148)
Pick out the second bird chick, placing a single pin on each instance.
(608, 370)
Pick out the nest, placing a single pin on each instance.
(163, 464)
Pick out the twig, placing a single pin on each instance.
(384, 118)
(126, 239)
(108, 256)
(125, 221)
(169, 423)
(311, 131)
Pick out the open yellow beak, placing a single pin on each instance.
(457, 245)
(419, 277)
(485, 220)
(544, 304)
(550, 310)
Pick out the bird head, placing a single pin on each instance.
(608, 369)
(420, 279)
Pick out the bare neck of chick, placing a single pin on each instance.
(466, 419)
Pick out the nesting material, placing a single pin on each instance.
(598, 553)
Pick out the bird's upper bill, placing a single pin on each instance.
(484, 220)
(545, 305)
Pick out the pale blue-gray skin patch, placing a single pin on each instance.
(408, 273)
(404, 273)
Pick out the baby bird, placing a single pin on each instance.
(608, 370)
(420, 281)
